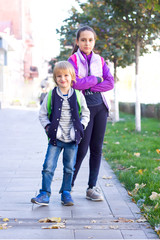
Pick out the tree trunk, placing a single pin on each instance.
(116, 102)
(137, 104)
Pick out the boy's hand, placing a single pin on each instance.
(47, 128)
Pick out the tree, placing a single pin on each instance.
(141, 20)
(111, 39)
(125, 29)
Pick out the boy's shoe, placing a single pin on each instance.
(41, 199)
(94, 194)
(66, 199)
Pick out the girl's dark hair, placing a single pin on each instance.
(82, 29)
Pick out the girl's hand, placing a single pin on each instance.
(100, 79)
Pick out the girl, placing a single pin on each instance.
(65, 129)
(93, 77)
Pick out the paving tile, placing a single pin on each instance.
(131, 234)
(14, 233)
(98, 234)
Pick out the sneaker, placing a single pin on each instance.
(41, 199)
(94, 194)
(66, 198)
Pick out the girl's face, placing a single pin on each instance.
(63, 80)
(86, 42)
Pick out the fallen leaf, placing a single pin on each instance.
(155, 196)
(87, 227)
(54, 226)
(141, 219)
(131, 167)
(158, 151)
(4, 226)
(140, 171)
(105, 177)
(156, 206)
(133, 200)
(53, 219)
(158, 168)
(130, 194)
(93, 221)
(113, 227)
(109, 185)
(5, 219)
(123, 220)
(137, 154)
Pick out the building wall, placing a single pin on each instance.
(10, 10)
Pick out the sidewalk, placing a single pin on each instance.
(23, 145)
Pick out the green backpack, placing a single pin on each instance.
(50, 99)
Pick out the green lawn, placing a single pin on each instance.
(135, 160)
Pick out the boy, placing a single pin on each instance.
(65, 129)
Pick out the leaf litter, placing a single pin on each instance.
(57, 220)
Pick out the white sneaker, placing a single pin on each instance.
(94, 194)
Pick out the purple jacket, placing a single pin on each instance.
(98, 68)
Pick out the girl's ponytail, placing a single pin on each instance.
(75, 49)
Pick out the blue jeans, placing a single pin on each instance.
(50, 164)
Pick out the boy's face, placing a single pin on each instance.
(63, 79)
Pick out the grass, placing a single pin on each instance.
(135, 159)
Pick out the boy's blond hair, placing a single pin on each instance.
(64, 66)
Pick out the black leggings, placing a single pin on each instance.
(93, 138)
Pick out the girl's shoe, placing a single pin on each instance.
(41, 199)
(94, 194)
(66, 199)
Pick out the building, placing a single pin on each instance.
(17, 72)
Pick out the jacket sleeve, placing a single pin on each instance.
(108, 82)
(43, 113)
(85, 113)
(83, 83)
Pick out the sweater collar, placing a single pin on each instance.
(61, 94)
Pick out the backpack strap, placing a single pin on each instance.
(50, 99)
(102, 59)
(49, 103)
(78, 100)
(74, 59)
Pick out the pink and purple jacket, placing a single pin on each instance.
(98, 68)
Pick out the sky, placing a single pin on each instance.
(47, 16)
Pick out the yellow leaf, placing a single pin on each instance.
(140, 171)
(53, 219)
(105, 177)
(5, 219)
(54, 226)
(158, 151)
